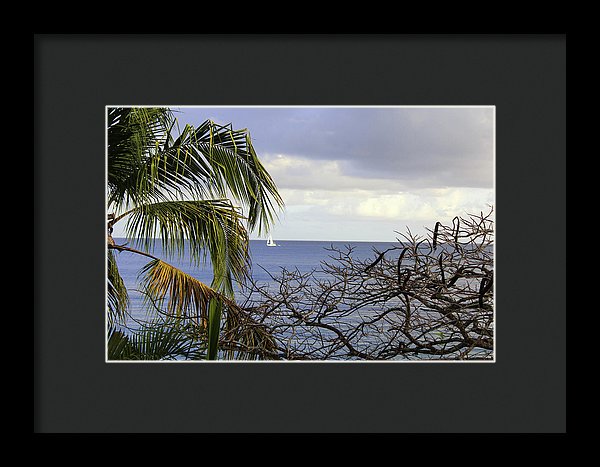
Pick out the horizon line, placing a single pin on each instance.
(290, 240)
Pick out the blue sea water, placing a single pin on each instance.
(305, 256)
(289, 254)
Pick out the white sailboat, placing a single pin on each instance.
(270, 241)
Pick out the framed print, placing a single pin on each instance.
(158, 187)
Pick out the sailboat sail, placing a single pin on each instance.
(270, 241)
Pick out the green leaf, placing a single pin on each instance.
(197, 228)
(203, 187)
(215, 309)
(159, 339)
(117, 295)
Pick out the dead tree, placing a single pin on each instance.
(428, 297)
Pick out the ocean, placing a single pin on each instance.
(289, 254)
(304, 256)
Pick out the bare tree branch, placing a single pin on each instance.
(433, 299)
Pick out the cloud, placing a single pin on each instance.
(297, 172)
(320, 197)
(420, 147)
(428, 148)
(372, 205)
(372, 215)
(362, 173)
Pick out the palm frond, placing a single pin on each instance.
(118, 297)
(182, 294)
(118, 345)
(184, 297)
(160, 339)
(133, 134)
(237, 171)
(148, 165)
(195, 228)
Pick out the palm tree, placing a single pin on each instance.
(175, 186)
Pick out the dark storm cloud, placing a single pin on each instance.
(418, 147)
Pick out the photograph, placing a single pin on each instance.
(303, 241)
(300, 234)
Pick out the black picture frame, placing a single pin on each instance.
(76, 76)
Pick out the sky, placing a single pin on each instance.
(367, 173)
